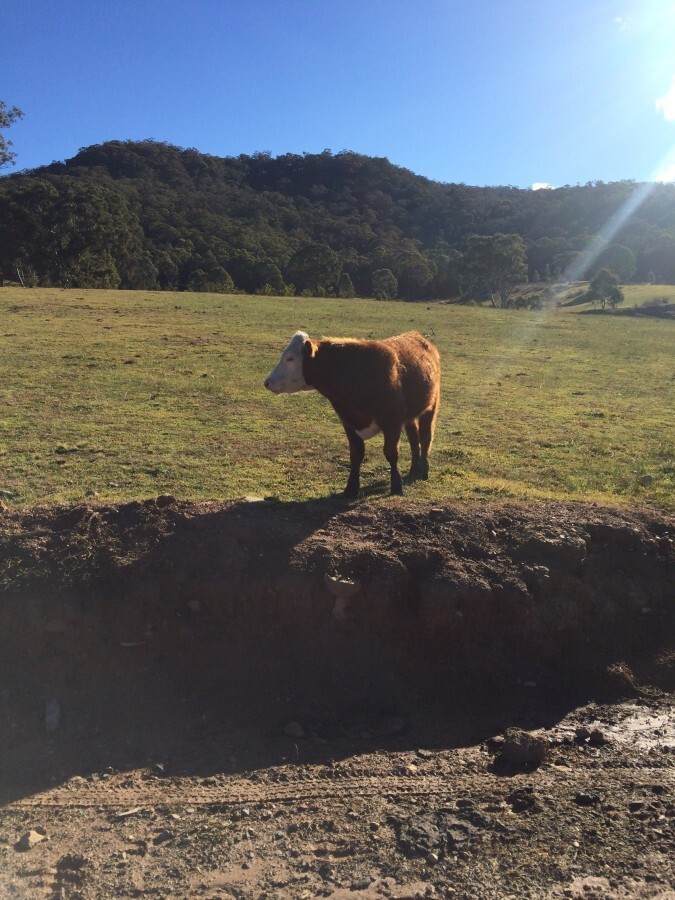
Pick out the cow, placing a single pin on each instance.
(373, 386)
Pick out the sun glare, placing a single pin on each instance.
(666, 104)
(667, 175)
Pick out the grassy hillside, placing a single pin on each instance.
(647, 294)
(137, 394)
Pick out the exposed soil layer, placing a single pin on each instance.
(294, 700)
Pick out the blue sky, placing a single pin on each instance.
(485, 93)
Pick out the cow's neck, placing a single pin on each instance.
(317, 371)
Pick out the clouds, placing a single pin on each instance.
(542, 186)
(666, 104)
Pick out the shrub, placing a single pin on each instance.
(345, 286)
(385, 284)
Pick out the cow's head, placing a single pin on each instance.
(287, 377)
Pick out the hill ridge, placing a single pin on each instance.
(146, 214)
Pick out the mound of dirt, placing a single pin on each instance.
(277, 667)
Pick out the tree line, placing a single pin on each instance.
(148, 215)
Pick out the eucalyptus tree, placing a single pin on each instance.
(8, 116)
(494, 265)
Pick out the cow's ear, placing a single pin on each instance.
(308, 349)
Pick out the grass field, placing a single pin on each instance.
(133, 394)
(639, 294)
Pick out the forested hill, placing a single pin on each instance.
(149, 215)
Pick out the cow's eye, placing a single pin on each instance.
(290, 359)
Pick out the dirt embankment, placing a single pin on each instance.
(325, 604)
(237, 648)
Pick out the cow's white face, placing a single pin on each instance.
(287, 378)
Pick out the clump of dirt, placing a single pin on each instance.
(258, 699)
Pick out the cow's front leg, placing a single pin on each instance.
(357, 450)
(392, 436)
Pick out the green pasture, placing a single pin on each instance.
(134, 394)
(637, 295)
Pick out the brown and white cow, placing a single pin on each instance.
(373, 386)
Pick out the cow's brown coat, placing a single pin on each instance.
(393, 383)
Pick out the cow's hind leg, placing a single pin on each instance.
(413, 433)
(392, 436)
(427, 426)
(357, 450)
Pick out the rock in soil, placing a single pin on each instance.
(31, 839)
(522, 750)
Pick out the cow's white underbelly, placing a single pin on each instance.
(370, 431)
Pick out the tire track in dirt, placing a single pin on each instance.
(117, 793)
(236, 792)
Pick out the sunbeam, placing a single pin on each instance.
(608, 232)
(577, 268)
